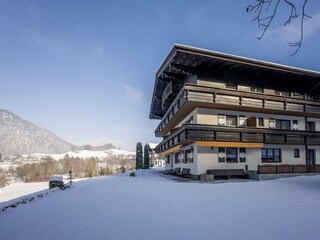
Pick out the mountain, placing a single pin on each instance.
(18, 136)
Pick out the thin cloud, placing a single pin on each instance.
(135, 95)
(52, 43)
(98, 50)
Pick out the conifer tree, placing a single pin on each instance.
(146, 157)
(139, 156)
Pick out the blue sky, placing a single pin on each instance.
(85, 69)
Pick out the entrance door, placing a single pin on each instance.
(171, 161)
(311, 160)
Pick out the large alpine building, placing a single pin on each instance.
(219, 111)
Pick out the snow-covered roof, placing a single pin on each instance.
(56, 179)
(152, 145)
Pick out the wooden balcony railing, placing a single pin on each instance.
(239, 100)
(190, 133)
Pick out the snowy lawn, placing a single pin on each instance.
(152, 207)
(19, 189)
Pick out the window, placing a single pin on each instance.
(189, 156)
(232, 86)
(283, 124)
(231, 155)
(270, 155)
(260, 122)
(190, 120)
(310, 126)
(242, 153)
(296, 153)
(306, 96)
(282, 93)
(168, 159)
(286, 94)
(177, 158)
(256, 89)
(231, 120)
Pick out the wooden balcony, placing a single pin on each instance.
(189, 133)
(194, 96)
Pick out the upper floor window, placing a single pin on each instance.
(307, 96)
(260, 122)
(282, 93)
(256, 89)
(231, 120)
(283, 124)
(295, 124)
(310, 126)
(190, 120)
(232, 86)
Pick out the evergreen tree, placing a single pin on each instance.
(139, 156)
(146, 157)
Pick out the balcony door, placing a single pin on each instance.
(311, 157)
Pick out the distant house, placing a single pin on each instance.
(155, 159)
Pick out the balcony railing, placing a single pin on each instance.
(238, 100)
(190, 133)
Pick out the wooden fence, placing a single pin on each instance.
(288, 168)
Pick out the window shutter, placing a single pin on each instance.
(221, 119)
(272, 123)
(242, 121)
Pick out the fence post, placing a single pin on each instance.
(258, 168)
(292, 168)
(276, 168)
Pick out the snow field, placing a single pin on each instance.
(152, 207)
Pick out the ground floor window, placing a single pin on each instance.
(231, 155)
(189, 156)
(177, 158)
(270, 155)
(297, 153)
(168, 159)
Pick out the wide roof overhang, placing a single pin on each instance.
(184, 61)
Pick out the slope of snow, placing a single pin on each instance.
(152, 207)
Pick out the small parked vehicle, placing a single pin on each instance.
(56, 182)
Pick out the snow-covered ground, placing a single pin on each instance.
(19, 189)
(84, 154)
(153, 207)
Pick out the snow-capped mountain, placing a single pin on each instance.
(18, 136)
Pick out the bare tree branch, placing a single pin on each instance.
(264, 17)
